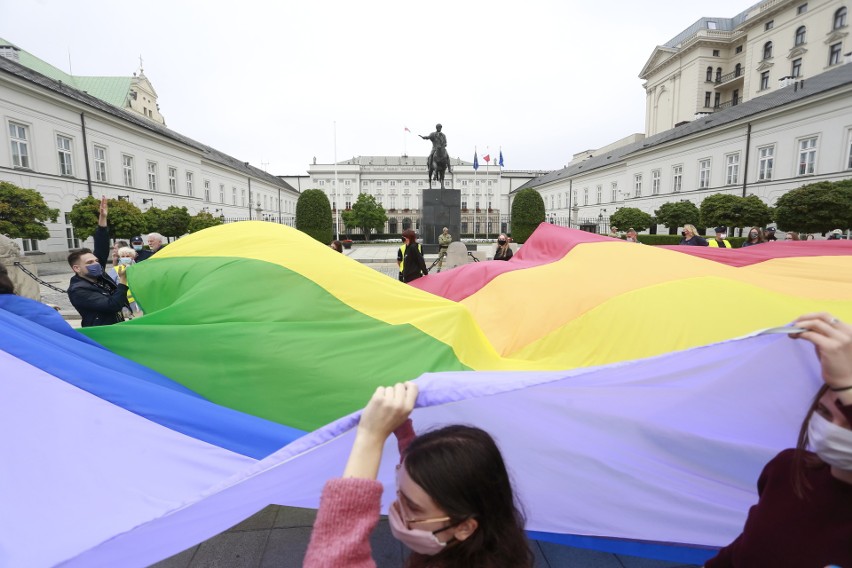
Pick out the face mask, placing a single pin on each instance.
(683, 233)
(125, 260)
(94, 270)
(501, 242)
(137, 247)
(723, 235)
(752, 235)
(832, 443)
(420, 541)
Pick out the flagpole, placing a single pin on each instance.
(499, 190)
(487, 164)
(474, 195)
(336, 205)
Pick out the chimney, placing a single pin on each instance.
(785, 81)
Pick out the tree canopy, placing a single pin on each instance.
(527, 213)
(124, 221)
(366, 214)
(631, 217)
(816, 207)
(735, 211)
(313, 215)
(23, 213)
(203, 220)
(676, 214)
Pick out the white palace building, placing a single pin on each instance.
(758, 104)
(69, 137)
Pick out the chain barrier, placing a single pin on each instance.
(39, 280)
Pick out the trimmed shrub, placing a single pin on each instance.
(527, 213)
(313, 215)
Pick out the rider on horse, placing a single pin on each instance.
(439, 148)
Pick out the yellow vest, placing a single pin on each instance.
(714, 243)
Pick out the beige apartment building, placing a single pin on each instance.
(720, 62)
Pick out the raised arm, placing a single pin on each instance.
(833, 341)
(102, 233)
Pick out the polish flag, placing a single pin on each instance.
(487, 157)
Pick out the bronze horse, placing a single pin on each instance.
(438, 166)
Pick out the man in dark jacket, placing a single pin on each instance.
(141, 253)
(93, 294)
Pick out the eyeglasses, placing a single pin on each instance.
(408, 521)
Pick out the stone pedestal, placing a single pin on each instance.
(441, 208)
(24, 285)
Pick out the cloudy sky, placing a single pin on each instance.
(266, 81)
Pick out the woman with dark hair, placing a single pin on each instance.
(31, 310)
(755, 237)
(803, 516)
(336, 245)
(412, 265)
(455, 506)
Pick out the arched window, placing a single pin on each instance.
(709, 74)
(840, 18)
(738, 70)
(718, 74)
(800, 35)
(767, 50)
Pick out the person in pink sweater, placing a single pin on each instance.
(803, 517)
(455, 506)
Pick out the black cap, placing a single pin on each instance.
(770, 229)
(721, 229)
(136, 239)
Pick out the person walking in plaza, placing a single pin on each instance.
(410, 259)
(93, 294)
(455, 506)
(691, 237)
(444, 241)
(721, 240)
(755, 237)
(803, 516)
(504, 251)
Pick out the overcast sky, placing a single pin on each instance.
(266, 81)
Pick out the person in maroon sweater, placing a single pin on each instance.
(803, 517)
(455, 506)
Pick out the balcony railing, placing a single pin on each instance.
(728, 76)
(730, 103)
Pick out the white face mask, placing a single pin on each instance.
(125, 260)
(723, 235)
(832, 443)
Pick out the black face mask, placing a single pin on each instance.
(683, 233)
(501, 242)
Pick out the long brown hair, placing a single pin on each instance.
(462, 470)
(804, 459)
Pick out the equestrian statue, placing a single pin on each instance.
(438, 160)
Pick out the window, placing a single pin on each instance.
(20, 145)
(802, 9)
(849, 155)
(30, 245)
(655, 182)
(707, 96)
(190, 178)
(796, 68)
(800, 35)
(717, 100)
(99, 153)
(735, 97)
(709, 76)
(677, 178)
(585, 196)
(63, 146)
(152, 176)
(320, 182)
(834, 54)
(127, 166)
(703, 174)
(406, 202)
(738, 70)
(807, 156)
(71, 239)
(715, 53)
(739, 49)
(767, 50)
(464, 202)
(574, 196)
(393, 184)
(243, 197)
(637, 185)
(233, 196)
(221, 193)
(378, 184)
(764, 80)
(392, 202)
(207, 190)
(172, 180)
(718, 74)
(732, 169)
(614, 191)
(711, 25)
(346, 183)
(840, 18)
(599, 192)
(363, 184)
(768, 25)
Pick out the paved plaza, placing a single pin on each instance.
(278, 536)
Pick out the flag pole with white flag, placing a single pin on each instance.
(475, 167)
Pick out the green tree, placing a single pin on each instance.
(313, 215)
(203, 220)
(124, 220)
(721, 209)
(366, 214)
(175, 221)
(155, 220)
(754, 212)
(816, 207)
(23, 213)
(628, 217)
(676, 214)
(527, 213)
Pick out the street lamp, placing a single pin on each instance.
(150, 200)
(124, 198)
(258, 210)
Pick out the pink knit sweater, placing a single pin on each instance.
(348, 512)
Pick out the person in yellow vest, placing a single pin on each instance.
(720, 241)
(410, 259)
